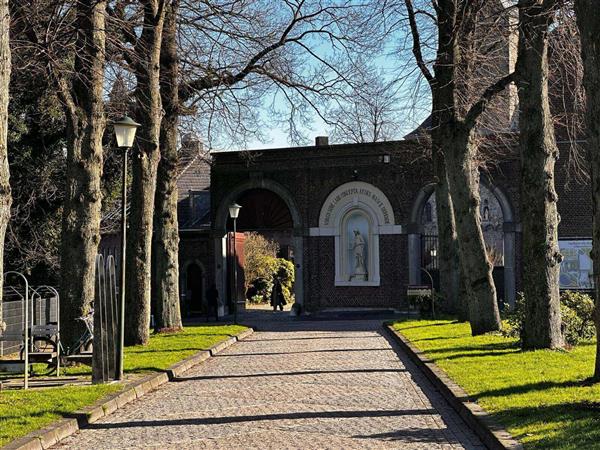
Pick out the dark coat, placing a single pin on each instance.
(277, 297)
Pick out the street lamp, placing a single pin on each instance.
(234, 211)
(125, 130)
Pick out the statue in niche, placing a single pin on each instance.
(486, 211)
(358, 250)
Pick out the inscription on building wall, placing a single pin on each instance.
(356, 192)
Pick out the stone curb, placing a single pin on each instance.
(491, 434)
(57, 431)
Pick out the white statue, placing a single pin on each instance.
(358, 250)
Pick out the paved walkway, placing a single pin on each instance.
(312, 385)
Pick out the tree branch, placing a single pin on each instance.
(414, 30)
(478, 108)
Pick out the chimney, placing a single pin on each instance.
(322, 141)
(192, 143)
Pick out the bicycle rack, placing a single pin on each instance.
(39, 311)
(45, 327)
(105, 320)
(20, 294)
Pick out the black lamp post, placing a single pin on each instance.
(125, 130)
(234, 211)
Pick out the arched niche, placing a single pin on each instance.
(355, 214)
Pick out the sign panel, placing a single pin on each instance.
(576, 268)
(418, 291)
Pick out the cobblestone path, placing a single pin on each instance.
(300, 385)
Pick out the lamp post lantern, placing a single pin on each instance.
(125, 130)
(234, 211)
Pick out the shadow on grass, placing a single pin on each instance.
(425, 325)
(458, 336)
(507, 347)
(143, 369)
(570, 425)
(188, 334)
(534, 387)
(166, 350)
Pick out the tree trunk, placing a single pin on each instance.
(453, 137)
(5, 195)
(448, 261)
(144, 167)
(84, 104)
(539, 213)
(588, 22)
(165, 242)
(463, 178)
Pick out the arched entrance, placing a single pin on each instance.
(194, 286)
(268, 209)
(498, 230)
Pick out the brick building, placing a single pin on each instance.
(314, 198)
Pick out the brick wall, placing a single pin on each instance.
(310, 174)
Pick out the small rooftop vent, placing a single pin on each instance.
(322, 141)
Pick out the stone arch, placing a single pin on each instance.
(222, 211)
(509, 229)
(220, 228)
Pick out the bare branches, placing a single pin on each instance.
(417, 52)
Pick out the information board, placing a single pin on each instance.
(576, 267)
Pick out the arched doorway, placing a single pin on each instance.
(193, 304)
(269, 210)
(498, 230)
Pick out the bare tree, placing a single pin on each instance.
(588, 21)
(369, 112)
(165, 239)
(144, 61)
(84, 104)
(458, 104)
(539, 210)
(5, 196)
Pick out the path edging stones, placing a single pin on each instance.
(491, 434)
(63, 428)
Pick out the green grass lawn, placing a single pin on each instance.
(24, 411)
(540, 396)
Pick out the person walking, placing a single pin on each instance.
(277, 297)
(212, 296)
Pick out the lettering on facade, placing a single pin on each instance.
(356, 192)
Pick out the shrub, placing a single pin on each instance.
(259, 253)
(261, 268)
(423, 304)
(514, 318)
(576, 310)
